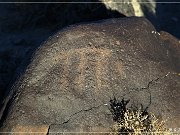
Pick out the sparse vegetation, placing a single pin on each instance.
(134, 121)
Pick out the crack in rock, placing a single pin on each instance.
(146, 88)
(71, 116)
(148, 85)
(86, 110)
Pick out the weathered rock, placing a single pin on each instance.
(125, 7)
(173, 48)
(80, 68)
(164, 15)
(24, 26)
(131, 7)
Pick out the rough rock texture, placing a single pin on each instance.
(125, 7)
(24, 27)
(131, 7)
(173, 46)
(164, 15)
(80, 68)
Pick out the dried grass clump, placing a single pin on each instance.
(130, 121)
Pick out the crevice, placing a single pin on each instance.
(48, 131)
(86, 110)
(72, 115)
(150, 83)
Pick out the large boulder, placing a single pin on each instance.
(74, 74)
(132, 7)
(164, 15)
(23, 26)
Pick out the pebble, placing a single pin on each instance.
(122, 50)
(117, 42)
(155, 32)
(50, 97)
(90, 44)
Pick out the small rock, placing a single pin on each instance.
(117, 42)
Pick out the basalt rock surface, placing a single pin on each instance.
(74, 74)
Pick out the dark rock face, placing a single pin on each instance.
(23, 27)
(164, 15)
(80, 68)
(173, 49)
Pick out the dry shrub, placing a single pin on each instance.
(130, 121)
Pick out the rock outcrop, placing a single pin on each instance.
(164, 15)
(132, 7)
(24, 26)
(68, 84)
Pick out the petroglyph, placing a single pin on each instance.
(91, 65)
(90, 59)
(67, 77)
